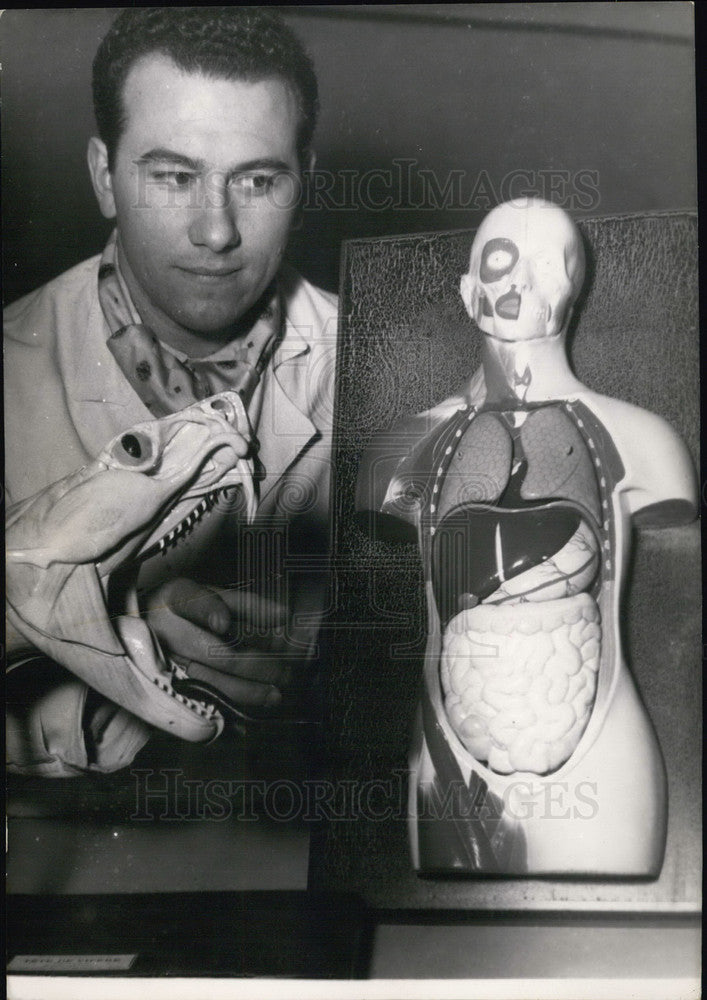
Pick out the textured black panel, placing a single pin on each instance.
(406, 343)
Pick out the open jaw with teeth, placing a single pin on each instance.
(147, 489)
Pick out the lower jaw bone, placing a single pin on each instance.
(520, 681)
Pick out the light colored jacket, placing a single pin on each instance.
(65, 398)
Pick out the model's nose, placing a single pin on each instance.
(522, 276)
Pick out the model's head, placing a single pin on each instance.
(525, 272)
(232, 43)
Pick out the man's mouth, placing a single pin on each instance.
(210, 273)
(508, 305)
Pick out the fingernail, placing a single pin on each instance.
(273, 697)
(218, 622)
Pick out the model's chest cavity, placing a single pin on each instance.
(514, 511)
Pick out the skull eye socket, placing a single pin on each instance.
(498, 257)
(499, 260)
(133, 449)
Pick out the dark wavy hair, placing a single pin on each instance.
(232, 43)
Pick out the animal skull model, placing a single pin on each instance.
(525, 272)
(147, 488)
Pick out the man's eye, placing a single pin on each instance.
(177, 178)
(254, 184)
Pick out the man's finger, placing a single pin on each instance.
(190, 642)
(258, 611)
(236, 689)
(250, 664)
(193, 602)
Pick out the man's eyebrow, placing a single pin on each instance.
(161, 155)
(264, 163)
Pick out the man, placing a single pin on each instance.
(205, 121)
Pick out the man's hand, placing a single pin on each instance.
(228, 638)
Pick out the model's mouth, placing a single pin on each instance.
(508, 305)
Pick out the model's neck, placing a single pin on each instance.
(526, 371)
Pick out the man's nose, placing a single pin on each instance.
(215, 223)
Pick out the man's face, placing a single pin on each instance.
(204, 189)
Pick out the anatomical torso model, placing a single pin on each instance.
(533, 753)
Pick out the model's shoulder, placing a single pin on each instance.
(627, 421)
(659, 474)
(66, 298)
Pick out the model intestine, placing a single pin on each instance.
(520, 681)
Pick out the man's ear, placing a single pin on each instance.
(101, 177)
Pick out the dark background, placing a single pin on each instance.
(485, 89)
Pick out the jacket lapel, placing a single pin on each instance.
(101, 399)
(284, 428)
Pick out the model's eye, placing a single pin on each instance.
(498, 257)
(546, 265)
(223, 407)
(499, 260)
(131, 443)
(133, 449)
